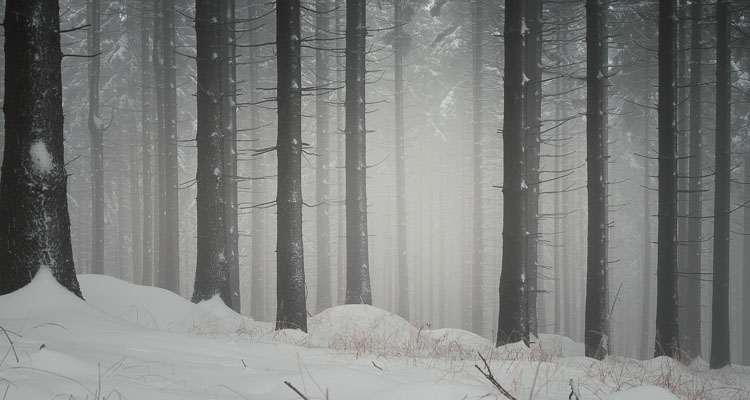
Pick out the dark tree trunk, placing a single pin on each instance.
(746, 270)
(692, 333)
(512, 325)
(135, 211)
(169, 261)
(647, 270)
(96, 132)
(477, 298)
(720, 303)
(323, 162)
(34, 220)
(357, 258)
(229, 134)
(532, 131)
(667, 329)
(257, 286)
(682, 164)
(402, 265)
(147, 84)
(291, 311)
(211, 267)
(595, 336)
(159, 199)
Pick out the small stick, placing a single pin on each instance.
(492, 379)
(11, 344)
(295, 390)
(376, 365)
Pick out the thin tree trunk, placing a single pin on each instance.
(667, 329)
(135, 209)
(647, 270)
(532, 130)
(34, 219)
(229, 133)
(96, 132)
(477, 303)
(401, 257)
(211, 267)
(257, 288)
(357, 257)
(746, 270)
(291, 309)
(595, 335)
(692, 333)
(160, 200)
(512, 325)
(146, 121)
(720, 302)
(322, 171)
(682, 165)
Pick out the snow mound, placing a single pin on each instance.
(642, 393)
(362, 329)
(456, 344)
(160, 309)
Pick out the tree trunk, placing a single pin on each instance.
(96, 132)
(720, 302)
(746, 270)
(682, 165)
(291, 309)
(169, 264)
(158, 62)
(532, 138)
(229, 133)
(257, 292)
(595, 336)
(477, 300)
(647, 270)
(692, 333)
(211, 267)
(323, 162)
(401, 257)
(667, 330)
(146, 118)
(357, 258)
(512, 325)
(34, 220)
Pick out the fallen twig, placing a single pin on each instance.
(573, 391)
(492, 379)
(11, 344)
(295, 390)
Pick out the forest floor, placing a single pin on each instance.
(143, 343)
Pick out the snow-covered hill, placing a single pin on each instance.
(134, 342)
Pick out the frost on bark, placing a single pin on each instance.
(211, 268)
(667, 329)
(323, 160)
(692, 334)
(595, 336)
(512, 325)
(290, 286)
(34, 220)
(357, 258)
(96, 132)
(720, 303)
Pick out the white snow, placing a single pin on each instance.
(40, 157)
(134, 342)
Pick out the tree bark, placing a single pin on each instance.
(692, 333)
(34, 220)
(477, 298)
(667, 329)
(96, 132)
(291, 309)
(402, 265)
(682, 164)
(512, 325)
(647, 270)
(211, 267)
(595, 336)
(720, 303)
(146, 128)
(357, 256)
(257, 286)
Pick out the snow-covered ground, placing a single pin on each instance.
(134, 342)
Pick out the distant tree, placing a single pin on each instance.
(147, 83)
(323, 161)
(96, 132)
(667, 329)
(357, 258)
(291, 310)
(34, 220)
(512, 326)
(399, 43)
(595, 336)
(211, 268)
(692, 332)
(720, 303)
(477, 254)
